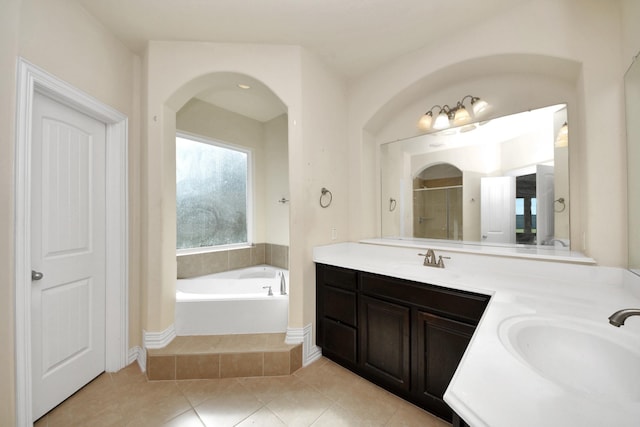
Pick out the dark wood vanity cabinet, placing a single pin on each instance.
(385, 332)
(407, 337)
(440, 344)
(336, 308)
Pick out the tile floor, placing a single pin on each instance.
(321, 394)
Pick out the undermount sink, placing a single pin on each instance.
(584, 356)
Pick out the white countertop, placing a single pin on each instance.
(492, 386)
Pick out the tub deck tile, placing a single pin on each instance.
(211, 356)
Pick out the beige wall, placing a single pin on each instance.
(9, 34)
(316, 104)
(331, 143)
(277, 178)
(60, 37)
(537, 32)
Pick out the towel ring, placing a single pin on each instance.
(392, 204)
(561, 201)
(324, 192)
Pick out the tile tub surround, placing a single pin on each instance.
(224, 356)
(320, 394)
(200, 264)
(491, 386)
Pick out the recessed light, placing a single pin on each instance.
(243, 86)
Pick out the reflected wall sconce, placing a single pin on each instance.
(562, 139)
(452, 116)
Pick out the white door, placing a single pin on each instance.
(68, 248)
(498, 209)
(545, 195)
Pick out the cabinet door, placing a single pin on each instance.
(440, 344)
(340, 341)
(336, 320)
(384, 342)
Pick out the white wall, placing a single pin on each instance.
(530, 36)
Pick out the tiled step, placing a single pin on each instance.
(224, 356)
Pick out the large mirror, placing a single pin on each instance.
(500, 182)
(632, 96)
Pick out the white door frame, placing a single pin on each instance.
(32, 79)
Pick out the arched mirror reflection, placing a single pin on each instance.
(499, 182)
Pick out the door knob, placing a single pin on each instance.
(36, 275)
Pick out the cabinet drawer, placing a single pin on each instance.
(339, 340)
(455, 304)
(338, 277)
(340, 305)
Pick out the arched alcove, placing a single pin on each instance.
(231, 111)
(168, 95)
(511, 83)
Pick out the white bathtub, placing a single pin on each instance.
(233, 302)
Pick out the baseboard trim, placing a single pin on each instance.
(138, 354)
(310, 351)
(159, 339)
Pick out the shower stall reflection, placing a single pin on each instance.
(437, 203)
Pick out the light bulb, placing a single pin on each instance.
(562, 140)
(478, 106)
(462, 116)
(425, 121)
(442, 121)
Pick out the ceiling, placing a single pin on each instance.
(352, 36)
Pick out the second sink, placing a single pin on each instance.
(584, 356)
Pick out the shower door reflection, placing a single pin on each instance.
(437, 213)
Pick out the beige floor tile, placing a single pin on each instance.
(369, 402)
(301, 406)
(129, 375)
(262, 418)
(186, 419)
(227, 409)
(321, 394)
(332, 380)
(197, 391)
(336, 416)
(268, 388)
(409, 415)
(161, 400)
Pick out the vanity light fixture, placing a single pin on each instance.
(448, 116)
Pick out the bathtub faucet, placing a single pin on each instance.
(283, 285)
(270, 293)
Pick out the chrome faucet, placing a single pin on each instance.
(617, 319)
(283, 285)
(270, 293)
(430, 259)
(552, 242)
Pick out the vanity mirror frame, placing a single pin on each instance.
(387, 198)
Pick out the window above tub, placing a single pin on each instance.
(213, 187)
